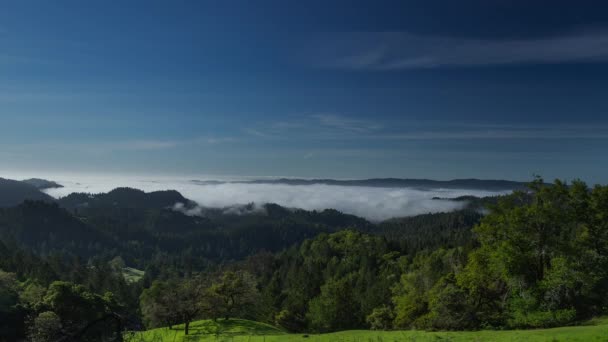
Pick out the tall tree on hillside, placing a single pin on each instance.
(234, 293)
(335, 308)
(156, 303)
(188, 304)
(173, 302)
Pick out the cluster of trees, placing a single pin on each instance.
(542, 260)
(331, 282)
(63, 311)
(57, 298)
(175, 301)
(538, 258)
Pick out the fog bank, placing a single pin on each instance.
(370, 202)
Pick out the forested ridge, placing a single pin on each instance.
(536, 258)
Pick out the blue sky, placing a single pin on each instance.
(345, 89)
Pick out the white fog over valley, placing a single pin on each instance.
(373, 203)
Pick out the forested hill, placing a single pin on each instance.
(140, 226)
(138, 233)
(124, 198)
(473, 184)
(14, 192)
(45, 227)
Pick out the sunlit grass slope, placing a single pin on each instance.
(242, 330)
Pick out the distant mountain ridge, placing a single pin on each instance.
(471, 183)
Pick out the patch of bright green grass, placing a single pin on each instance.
(237, 330)
(132, 275)
(209, 330)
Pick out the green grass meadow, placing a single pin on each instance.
(237, 330)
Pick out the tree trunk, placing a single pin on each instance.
(541, 267)
(187, 327)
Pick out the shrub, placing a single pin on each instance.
(381, 318)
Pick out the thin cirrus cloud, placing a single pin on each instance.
(346, 123)
(316, 126)
(167, 144)
(505, 134)
(403, 50)
(332, 127)
(101, 147)
(142, 145)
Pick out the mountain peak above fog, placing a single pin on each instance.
(42, 184)
(124, 197)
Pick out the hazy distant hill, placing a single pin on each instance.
(42, 183)
(475, 184)
(14, 192)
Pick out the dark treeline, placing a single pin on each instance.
(539, 258)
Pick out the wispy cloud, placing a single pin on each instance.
(218, 140)
(331, 127)
(346, 123)
(260, 133)
(166, 144)
(150, 145)
(403, 50)
(103, 147)
(548, 132)
(322, 126)
(309, 155)
(141, 145)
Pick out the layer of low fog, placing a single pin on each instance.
(372, 203)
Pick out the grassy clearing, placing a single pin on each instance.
(237, 330)
(132, 275)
